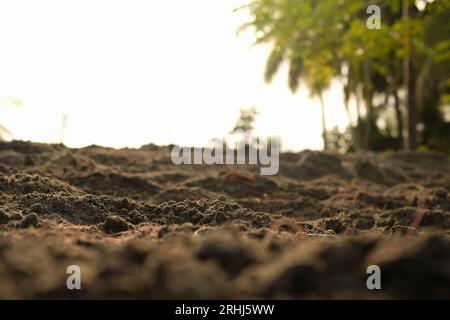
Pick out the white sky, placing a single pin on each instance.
(131, 72)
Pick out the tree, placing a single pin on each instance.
(327, 40)
(300, 39)
(433, 78)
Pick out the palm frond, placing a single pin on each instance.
(273, 63)
(295, 73)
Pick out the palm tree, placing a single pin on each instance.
(316, 73)
(300, 39)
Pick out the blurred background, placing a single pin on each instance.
(126, 73)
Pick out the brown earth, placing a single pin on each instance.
(140, 227)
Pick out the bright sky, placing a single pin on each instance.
(131, 72)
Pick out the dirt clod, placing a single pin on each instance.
(37, 208)
(141, 227)
(365, 223)
(115, 224)
(30, 220)
(4, 218)
(231, 256)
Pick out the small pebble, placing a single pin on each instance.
(37, 207)
(30, 220)
(163, 231)
(115, 224)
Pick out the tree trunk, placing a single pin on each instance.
(369, 123)
(398, 114)
(324, 125)
(358, 135)
(349, 114)
(358, 103)
(368, 99)
(412, 111)
(410, 84)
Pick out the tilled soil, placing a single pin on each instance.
(140, 227)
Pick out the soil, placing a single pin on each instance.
(140, 227)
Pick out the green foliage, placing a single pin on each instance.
(293, 28)
(328, 39)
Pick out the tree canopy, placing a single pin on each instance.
(403, 65)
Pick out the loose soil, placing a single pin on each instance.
(140, 227)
